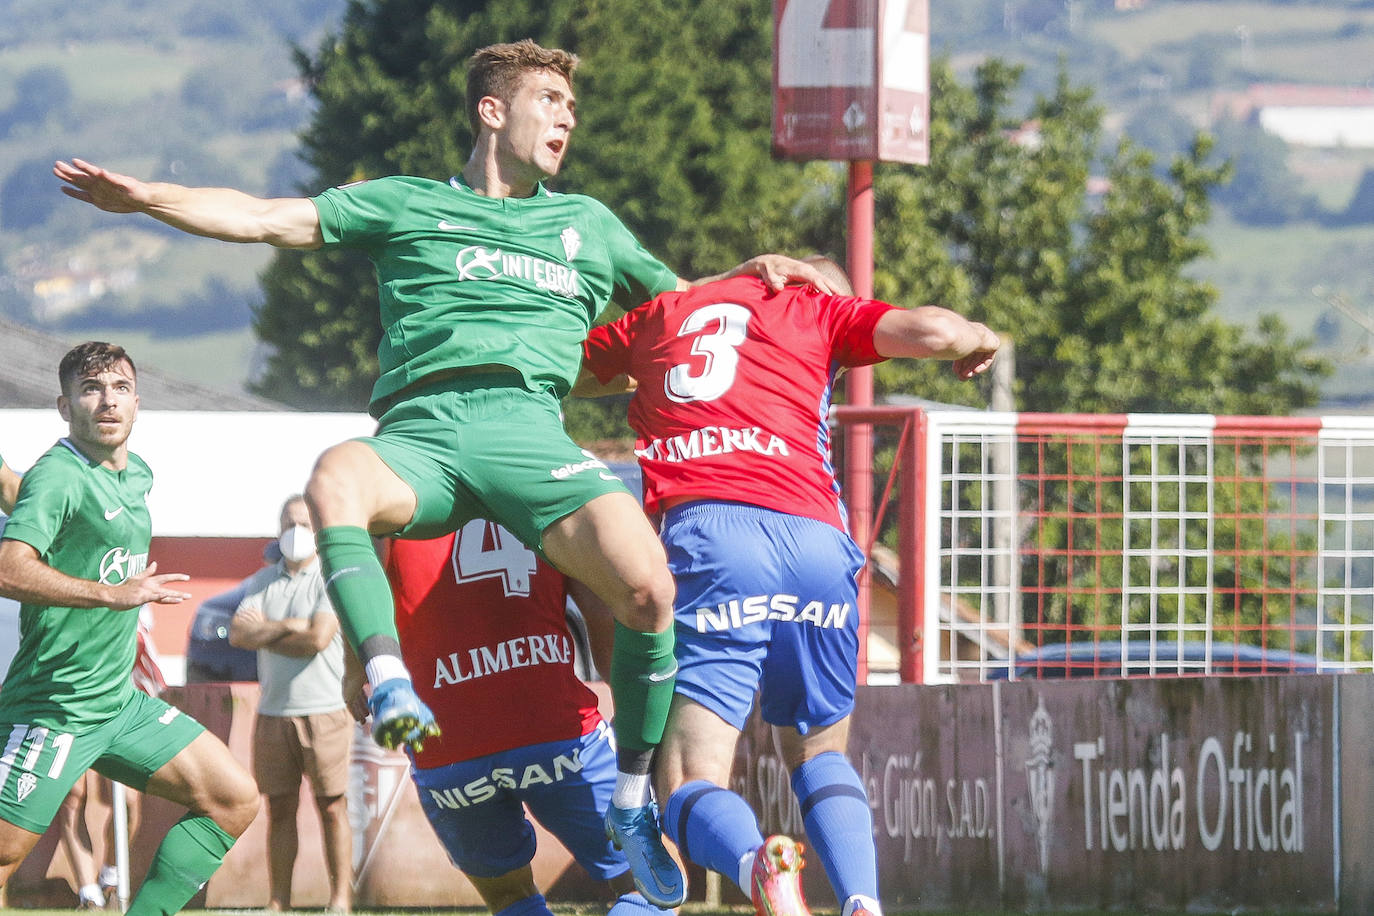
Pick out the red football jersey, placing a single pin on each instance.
(734, 390)
(483, 633)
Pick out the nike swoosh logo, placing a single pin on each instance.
(660, 677)
(665, 890)
(605, 476)
(454, 227)
(112, 514)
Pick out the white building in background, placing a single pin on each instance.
(1328, 117)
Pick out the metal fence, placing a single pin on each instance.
(1057, 544)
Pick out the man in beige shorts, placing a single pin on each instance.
(303, 728)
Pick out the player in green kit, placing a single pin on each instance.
(488, 284)
(75, 555)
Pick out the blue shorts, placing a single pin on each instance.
(766, 602)
(477, 807)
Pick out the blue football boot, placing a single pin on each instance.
(635, 832)
(399, 717)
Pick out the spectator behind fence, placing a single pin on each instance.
(303, 729)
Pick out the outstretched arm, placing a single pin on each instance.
(931, 332)
(217, 213)
(25, 577)
(775, 270)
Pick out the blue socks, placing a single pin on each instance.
(634, 905)
(713, 827)
(530, 906)
(839, 823)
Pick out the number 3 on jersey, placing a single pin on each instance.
(508, 559)
(719, 330)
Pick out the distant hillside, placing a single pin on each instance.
(176, 89)
(207, 93)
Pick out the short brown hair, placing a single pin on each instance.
(496, 71)
(91, 358)
(832, 272)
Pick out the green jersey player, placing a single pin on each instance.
(488, 283)
(75, 555)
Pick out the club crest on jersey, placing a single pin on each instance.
(118, 565)
(572, 242)
(25, 785)
(477, 262)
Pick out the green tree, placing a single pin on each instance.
(1094, 289)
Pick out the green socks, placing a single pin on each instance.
(642, 670)
(185, 860)
(359, 590)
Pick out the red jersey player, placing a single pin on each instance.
(734, 385)
(482, 625)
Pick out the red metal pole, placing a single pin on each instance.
(911, 595)
(858, 387)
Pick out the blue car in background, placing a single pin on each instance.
(209, 656)
(1142, 656)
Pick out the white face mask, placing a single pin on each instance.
(297, 544)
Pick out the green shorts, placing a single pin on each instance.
(40, 766)
(483, 446)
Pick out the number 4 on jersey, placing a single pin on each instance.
(485, 550)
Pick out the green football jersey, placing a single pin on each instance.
(74, 665)
(467, 280)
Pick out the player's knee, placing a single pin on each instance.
(15, 844)
(239, 805)
(651, 603)
(236, 820)
(325, 486)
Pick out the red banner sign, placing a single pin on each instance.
(851, 79)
